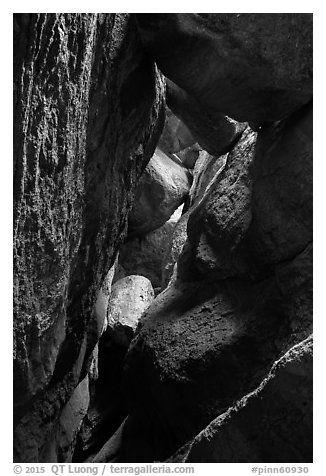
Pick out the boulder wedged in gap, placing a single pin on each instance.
(162, 188)
(252, 67)
(271, 424)
(130, 297)
(215, 132)
(219, 222)
(144, 255)
(87, 120)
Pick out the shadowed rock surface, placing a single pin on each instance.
(252, 67)
(260, 427)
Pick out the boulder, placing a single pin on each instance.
(253, 67)
(219, 223)
(215, 132)
(144, 255)
(272, 424)
(259, 213)
(163, 187)
(130, 297)
(205, 345)
(87, 120)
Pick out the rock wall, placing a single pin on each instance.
(88, 114)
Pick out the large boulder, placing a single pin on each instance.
(163, 187)
(273, 423)
(215, 132)
(130, 297)
(253, 67)
(260, 214)
(87, 119)
(144, 255)
(206, 171)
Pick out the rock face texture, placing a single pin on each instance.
(88, 114)
(260, 426)
(252, 67)
(163, 187)
(216, 367)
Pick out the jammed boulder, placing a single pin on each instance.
(253, 67)
(130, 297)
(163, 187)
(273, 423)
(144, 255)
(87, 120)
(215, 132)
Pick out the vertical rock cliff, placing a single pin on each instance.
(88, 113)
